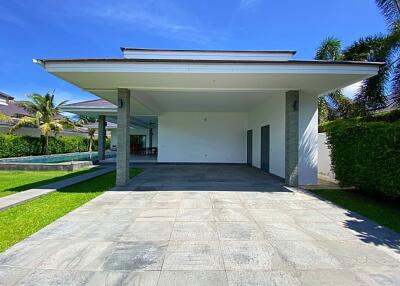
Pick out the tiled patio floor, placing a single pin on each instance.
(206, 238)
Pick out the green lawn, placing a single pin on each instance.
(15, 181)
(383, 212)
(21, 221)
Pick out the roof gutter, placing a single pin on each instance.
(38, 62)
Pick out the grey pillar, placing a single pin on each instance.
(123, 137)
(101, 137)
(292, 138)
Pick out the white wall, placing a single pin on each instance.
(324, 159)
(271, 113)
(202, 137)
(308, 139)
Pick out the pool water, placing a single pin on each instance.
(58, 158)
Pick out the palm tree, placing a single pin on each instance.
(91, 132)
(5, 117)
(390, 9)
(84, 120)
(334, 105)
(45, 116)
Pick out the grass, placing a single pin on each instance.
(15, 181)
(383, 212)
(21, 221)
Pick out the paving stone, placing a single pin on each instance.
(326, 231)
(333, 277)
(261, 278)
(270, 215)
(194, 231)
(378, 276)
(157, 215)
(235, 214)
(55, 277)
(193, 255)
(11, 275)
(247, 255)
(195, 215)
(192, 278)
(283, 231)
(239, 231)
(196, 204)
(144, 278)
(148, 231)
(304, 255)
(136, 256)
(308, 216)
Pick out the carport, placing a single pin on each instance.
(230, 107)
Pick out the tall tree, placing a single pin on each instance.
(45, 115)
(334, 105)
(390, 9)
(84, 120)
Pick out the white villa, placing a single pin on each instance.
(201, 106)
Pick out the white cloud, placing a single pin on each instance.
(248, 4)
(351, 90)
(162, 18)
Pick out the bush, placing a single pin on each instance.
(366, 155)
(16, 146)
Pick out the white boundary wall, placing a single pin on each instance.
(324, 159)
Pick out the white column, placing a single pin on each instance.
(123, 137)
(292, 138)
(101, 137)
(308, 139)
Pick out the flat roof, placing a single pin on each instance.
(205, 61)
(208, 51)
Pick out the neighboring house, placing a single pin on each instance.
(10, 107)
(254, 107)
(143, 130)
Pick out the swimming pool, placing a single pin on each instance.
(58, 158)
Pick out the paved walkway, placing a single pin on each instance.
(185, 237)
(23, 196)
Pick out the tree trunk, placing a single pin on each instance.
(46, 145)
(90, 144)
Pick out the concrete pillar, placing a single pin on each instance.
(292, 138)
(101, 137)
(123, 137)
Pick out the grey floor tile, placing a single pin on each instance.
(157, 215)
(239, 231)
(333, 277)
(283, 231)
(247, 255)
(193, 255)
(11, 275)
(148, 231)
(192, 278)
(271, 215)
(136, 256)
(232, 215)
(261, 278)
(195, 215)
(194, 231)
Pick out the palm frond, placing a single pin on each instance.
(390, 10)
(23, 122)
(395, 93)
(330, 49)
(5, 118)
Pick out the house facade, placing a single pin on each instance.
(243, 107)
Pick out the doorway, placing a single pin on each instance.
(250, 147)
(265, 137)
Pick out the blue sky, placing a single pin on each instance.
(95, 28)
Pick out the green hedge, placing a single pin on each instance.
(366, 155)
(16, 146)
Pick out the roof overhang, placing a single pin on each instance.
(213, 85)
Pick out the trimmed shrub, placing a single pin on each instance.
(366, 155)
(17, 146)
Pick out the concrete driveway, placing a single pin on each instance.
(206, 225)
